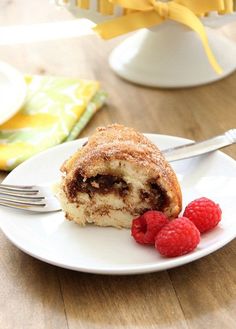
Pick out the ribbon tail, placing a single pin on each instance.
(185, 16)
(202, 7)
(128, 23)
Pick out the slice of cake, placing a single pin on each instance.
(116, 176)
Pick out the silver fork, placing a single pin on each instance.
(33, 198)
(41, 199)
(194, 149)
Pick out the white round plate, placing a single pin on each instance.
(51, 238)
(12, 91)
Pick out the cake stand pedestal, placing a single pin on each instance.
(171, 56)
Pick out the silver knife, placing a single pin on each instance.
(194, 149)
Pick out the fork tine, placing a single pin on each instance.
(16, 196)
(18, 190)
(31, 202)
(22, 207)
(18, 187)
(11, 186)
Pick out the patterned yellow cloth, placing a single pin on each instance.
(56, 109)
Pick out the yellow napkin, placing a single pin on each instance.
(55, 110)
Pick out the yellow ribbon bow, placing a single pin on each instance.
(148, 13)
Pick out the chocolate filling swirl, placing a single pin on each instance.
(102, 184)
(154, 197)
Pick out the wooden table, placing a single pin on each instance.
(201, 294)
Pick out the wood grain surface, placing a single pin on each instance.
(201, 294)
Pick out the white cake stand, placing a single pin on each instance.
(170, 55)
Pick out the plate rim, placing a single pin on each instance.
(125, 269)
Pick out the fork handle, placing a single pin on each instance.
(195, 149)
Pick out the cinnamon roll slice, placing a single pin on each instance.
(118, 175)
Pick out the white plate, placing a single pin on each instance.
(53, 239)
(12, 91)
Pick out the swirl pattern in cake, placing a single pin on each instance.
(116, 176)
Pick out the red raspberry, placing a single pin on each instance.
(178, 237)
(204, 213)
(144, 228)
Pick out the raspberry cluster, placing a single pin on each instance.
(178, 236)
